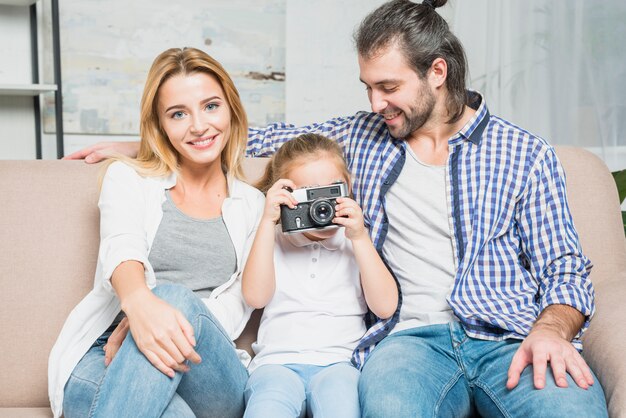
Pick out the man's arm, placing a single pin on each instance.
(550, 243)
(549, 341)
(262, 142)
(103, 150)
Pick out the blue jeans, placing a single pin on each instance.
(438, 371)
(132, 387)
(299, 390)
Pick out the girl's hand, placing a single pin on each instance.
(278, 195)
(349, 214)
(161, 332)
(115, 341)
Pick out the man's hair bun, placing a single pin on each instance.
(434, 3)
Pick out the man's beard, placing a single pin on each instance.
(419, 114)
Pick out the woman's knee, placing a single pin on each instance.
(180, 297)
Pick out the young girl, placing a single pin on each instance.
(313, 295)
(176, 226)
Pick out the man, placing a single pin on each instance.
(470, 214)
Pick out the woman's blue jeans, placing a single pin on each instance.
(438, 371)
(299, 390)
(132, 387)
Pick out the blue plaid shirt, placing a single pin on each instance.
(516, 249)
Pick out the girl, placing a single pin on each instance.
(313, 295)
(179, 219)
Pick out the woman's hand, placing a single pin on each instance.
(103, 150)
(278, 195)
(161, 332)
(115, 341)
(349, 214)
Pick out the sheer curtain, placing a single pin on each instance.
(555, 67)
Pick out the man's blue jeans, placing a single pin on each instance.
(438, 371)
(132, 387)
(299, 390)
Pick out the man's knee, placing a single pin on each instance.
(525, 400)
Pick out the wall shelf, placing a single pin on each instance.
(18, 2)
(26, 89)
(36, 89)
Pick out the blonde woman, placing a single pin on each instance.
(176, 228)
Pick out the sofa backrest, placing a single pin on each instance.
(49, 225)
(595, 207)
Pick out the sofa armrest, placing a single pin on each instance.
(605, 342)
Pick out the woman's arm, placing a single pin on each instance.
(379, 287)
(125, 270)
(258, 280)
(161, 332)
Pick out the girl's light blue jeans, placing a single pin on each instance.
(438, 371)
(299, 390)
(132, 387)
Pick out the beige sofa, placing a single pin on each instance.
(49, 229)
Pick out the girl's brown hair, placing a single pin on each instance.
(298, 151)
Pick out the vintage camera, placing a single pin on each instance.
(315, 210)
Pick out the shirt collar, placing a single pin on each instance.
(331, 244)
(235, 186)
(474, 128)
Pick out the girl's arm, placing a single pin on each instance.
(258, 282)
(379, 287)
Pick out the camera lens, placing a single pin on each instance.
(322, 212)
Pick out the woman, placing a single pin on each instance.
(178, 218)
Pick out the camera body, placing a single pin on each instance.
(315, 209)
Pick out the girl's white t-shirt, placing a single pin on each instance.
(317, 313)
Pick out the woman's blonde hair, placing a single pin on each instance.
(298, 151)
(157, 157)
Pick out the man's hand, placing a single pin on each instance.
(549, 341)
(103, 150)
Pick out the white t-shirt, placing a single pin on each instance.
(418, 245)
(316, 313)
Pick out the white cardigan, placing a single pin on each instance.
(130, 213)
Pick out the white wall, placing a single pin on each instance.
(322, 69)
(321, 73)
(322, 76)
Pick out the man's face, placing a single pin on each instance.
(397, 92)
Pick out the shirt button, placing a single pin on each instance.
(315, 246)
(314, 260)
(312, 276)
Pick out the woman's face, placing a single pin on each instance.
(196, 117)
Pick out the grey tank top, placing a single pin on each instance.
(196, 253)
